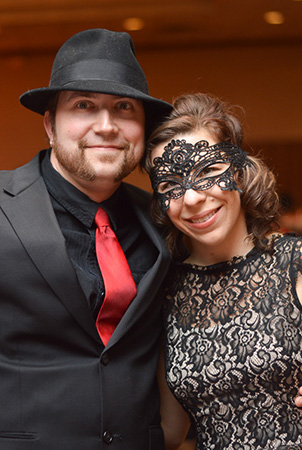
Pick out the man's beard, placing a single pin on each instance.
(79, 166)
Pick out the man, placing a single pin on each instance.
(64, 384)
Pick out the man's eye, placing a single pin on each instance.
(125, 106)
(82, 105)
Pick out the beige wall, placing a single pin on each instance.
(265, 81)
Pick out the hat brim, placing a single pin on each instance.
(156, 110)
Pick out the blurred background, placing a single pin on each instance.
(248, 52)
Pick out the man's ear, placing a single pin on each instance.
(48, 125)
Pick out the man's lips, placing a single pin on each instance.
(106, 147)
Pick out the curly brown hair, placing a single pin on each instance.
(259, 198)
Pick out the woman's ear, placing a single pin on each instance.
(238, 178)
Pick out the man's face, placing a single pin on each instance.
(97, 139)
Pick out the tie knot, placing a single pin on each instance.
(101, 218)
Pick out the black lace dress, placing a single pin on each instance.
(234, 348)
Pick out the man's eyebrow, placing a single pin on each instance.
(76, 94)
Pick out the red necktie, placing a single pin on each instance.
(120, 288)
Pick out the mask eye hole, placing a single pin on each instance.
(167, 186)
(211, 171)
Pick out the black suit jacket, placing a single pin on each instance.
(59, 389)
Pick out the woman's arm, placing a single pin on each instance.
(175, 422)
(298, 399)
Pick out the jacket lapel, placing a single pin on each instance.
(31, 215)
(148, 289)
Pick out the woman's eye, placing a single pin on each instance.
(166, 186)
(213, 170)
(208, 170)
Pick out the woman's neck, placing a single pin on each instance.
(209, 256)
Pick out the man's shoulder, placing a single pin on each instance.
(17, 179)
(6, 176)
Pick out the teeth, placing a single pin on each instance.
(208, 216)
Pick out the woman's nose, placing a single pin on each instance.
(192, 196)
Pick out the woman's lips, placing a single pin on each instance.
(204, 218)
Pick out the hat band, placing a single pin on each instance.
(99, 70)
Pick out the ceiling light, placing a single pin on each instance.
(274, 17)
(133, 24)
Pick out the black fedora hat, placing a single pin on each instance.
(103, 61)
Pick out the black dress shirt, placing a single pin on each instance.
(75, 213)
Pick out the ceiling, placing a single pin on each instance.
(43, 25)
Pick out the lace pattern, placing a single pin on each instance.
(234, 348)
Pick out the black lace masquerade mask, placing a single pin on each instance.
(185, 166)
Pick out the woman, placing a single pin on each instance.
(233, 313)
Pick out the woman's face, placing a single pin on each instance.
(200, 195)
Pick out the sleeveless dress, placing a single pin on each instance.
(233, 348)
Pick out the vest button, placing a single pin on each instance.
(107, 437)
(105, 359)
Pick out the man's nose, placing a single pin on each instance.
(104, 122)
